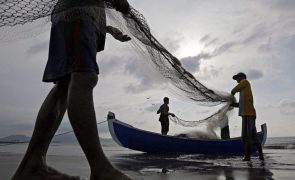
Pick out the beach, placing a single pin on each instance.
(279, 162)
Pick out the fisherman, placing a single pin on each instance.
(164, 113)
(248, 113)
(72, 67)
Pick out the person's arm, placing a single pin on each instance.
(117, 34)
(122, 6)
(234, 105)
(159, 111)
(166, 112)
(173, 115)
(239, 87)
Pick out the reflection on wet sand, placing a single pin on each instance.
(192, 166)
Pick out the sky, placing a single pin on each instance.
(214, 40)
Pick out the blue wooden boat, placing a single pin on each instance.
(140, 140)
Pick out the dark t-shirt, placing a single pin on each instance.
(163, 110)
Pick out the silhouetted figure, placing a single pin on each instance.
(72, 67)
(248, 113)
(164, 113)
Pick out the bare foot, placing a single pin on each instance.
(44, 173)
(113, 174)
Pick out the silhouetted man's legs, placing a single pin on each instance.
(82, 117)
(33, 165)
(76, 95)
(249, 136)
(164, 126)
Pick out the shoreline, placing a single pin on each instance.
(151, 167)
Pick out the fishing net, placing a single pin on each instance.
(218, 119)
(24, 18)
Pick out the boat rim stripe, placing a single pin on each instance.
(112, 131)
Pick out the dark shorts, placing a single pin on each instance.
(72, 48)
(164, 125)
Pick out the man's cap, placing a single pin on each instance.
(240, 74)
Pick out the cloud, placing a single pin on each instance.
(287, 106)
(264, 38)
(212, 42)
(287, 103)
(109, 64)
(208, 72)
(223, 48)
(37, 48)
(258, 32)
(153, 107)
(279, 5)
(192, 64)
(147, 77)
(254, 74)
(207, 40)
(289, 42)
(173, 41)
(266, 47)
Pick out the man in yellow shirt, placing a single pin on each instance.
(248, 113)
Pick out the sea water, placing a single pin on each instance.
(279, 162)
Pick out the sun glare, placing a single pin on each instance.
(188, 50)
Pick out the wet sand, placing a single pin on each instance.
(155, 167)
(279, 163)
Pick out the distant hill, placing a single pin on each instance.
(71, 138)
(15, 138)
(66, 138)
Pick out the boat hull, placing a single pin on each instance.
(149, 142)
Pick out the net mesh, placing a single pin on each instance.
(22, 18)
(218, 119)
